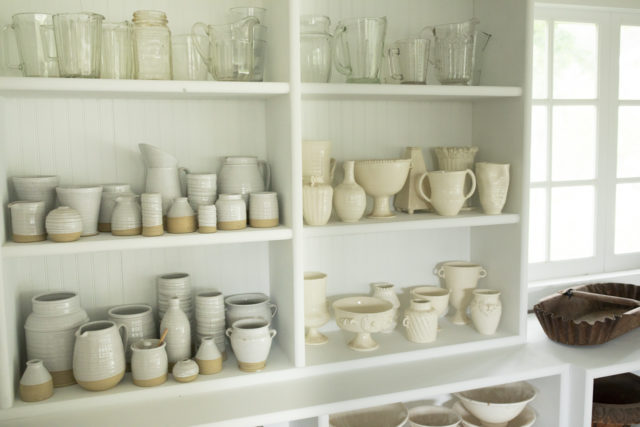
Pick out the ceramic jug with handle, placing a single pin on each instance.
(244, 175)
(163, 175)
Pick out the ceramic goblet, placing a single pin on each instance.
(382, 179)
(364, 316)
(315, 307)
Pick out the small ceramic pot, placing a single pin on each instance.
(316, 202)
(421, 321)
(64, 224)
(138, 318)
(149, 363)
(109, 194)
(181, 218)
(201, 189)
(386, 291)
(243, 306)
(185, 371)
(263, 209)
(179, 337)
(86, 200)
(437, 296)
(493, 184)
(231, 211)
(251, 342)
(486, 310)
(208, 357)
(27, 221)
(151, 207)
(36, 383)
(207, 219)
(126, 219)
(98, 355)
(36, 189)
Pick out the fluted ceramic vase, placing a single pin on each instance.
(349, 198)
(387, 292)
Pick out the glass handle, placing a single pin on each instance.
(340, 49)
(393, 56)
(48, 41)
(202, 51)
(5, 48)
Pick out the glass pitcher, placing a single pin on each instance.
(117, 51)
(480, 42)
(453, 49)
(409, 60)
(36, 44)
(359, 43)
(78, 43)
(315, 48)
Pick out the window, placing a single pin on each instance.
(584, 215)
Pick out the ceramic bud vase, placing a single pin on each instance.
(349, 198)
(207, 219)
(263, 209)
(185, 371)
(387, 292)
(181, 218)
(408, 199)
(149, 363)
(493, 184)
(208, 357)
(36, 383)
(179, 335)
(486, 309)
(421, 321)
(316, 202)
(126, 218)
(315, 307)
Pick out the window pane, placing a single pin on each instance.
(627, 224)
(629, 62)
(540, 56)
(572, 222)
(573, 152)
(538, 143)
(575, 68)
(538, 225)
(628, 142)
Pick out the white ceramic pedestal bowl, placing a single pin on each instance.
(526, 418)
(433, 416)
(393, 415)
(382, 179)
(496, 406)
(364, 316)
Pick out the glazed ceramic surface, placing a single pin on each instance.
(493, 184)
(126, 219)
(316, 202)
(393, 415)
(110, 192)
(433, 416)
(151, 208)
(498, 404)
(387, 292)
(64, 224)
(486, 309)
(526, 418)
(181, 218)
(243, 175)
(174, 285)
(251, 342)
(447, 190)
(208, 357)
(349, 198)
(251, 305)
(36, 188)
(36, 383)
(185, 371)
(317, 161)
(202, 189)
(210, 317)
(408, 199)
(460, 278)
(179, 336)
(263, 209)
(364, 316)
(85, 200)
(207, 219)
(456, 159)
(138, 318)
(162, 174)
(315, 306)
(98, 355)
(231, 211)
(437, 296)
(421, 321)
(27, 221)
(382, 179)
(149, 362)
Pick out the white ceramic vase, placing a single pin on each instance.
(110, 192)
(461, 278)
(152, 218)
(36, 383)
(126, 218)
(349, 198)
(208, 357)
(27, 221)
(421, 321)
(486, 310)
(231, 211)
(243, 175)
(149, 363)
(263, 209)
(437, 296)
(207, 219)
(181, 218)
(493, 185)
(138, 318)
(36, 189)
(179, 336)
(316, 313)
(98, 355)
(174, 285)
(251, 342)
(316, 202)
(210, 318)
(64, 224)
(85, 200)
(185, 371)
(387, 292)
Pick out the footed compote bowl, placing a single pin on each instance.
(364, 316)
(382, 179)
(496, 406)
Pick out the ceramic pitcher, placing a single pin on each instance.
(244, 175)
(98, 355)
(163, 174)
(447, 190)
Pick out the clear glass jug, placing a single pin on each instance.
(78, 43)
(453, 48)
(480, 42)
(315, 48)
(359, 43)
(36, 44)
(409, 61)
(117, 51)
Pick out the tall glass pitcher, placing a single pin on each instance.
(36, 44)
(315, 48)
(78, 43)
(358, 48)
(453, 51)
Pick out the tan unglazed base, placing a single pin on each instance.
(129, 232)
(36, 393)
(232, 225)
(63, 378)
(209, 367)
(21, 238)
(156, 230)
(224, 355)
(65, 237)
(101, 385)
(264, 223)
(251, 367)
(184, 224)
(104, 226)
(186, 379)
(207, 229)
(152, 382)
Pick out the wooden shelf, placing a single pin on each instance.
(108, 242)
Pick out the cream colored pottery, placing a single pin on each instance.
(387, 292)
(202, 189)
(364, 316)
(126, 219)
(185, 371)
(251, 342)
(349, 199)
(493, 185)
(63, 224)
(174, 285)
(316, 202)
(98, 355)
(36, 189)
(85, 200)
(109, 194)
(36, 383)
(460, 278)
(207, 219)
(393, 415)
(138, 318)
(208, 357)
(263, 209)
(250, 305)
(421, 321)
(179, 336)
(497, 405)
(243, 175)
(433, 416)
(456, 159)
(210, 317)
(50, 332)
(231, 212)
(317, 161)
(316, 313)
(408, 199)
(152, 218)
(485, 310)
(162, 174)
(437, 296)
(149, 362)
(447, 190)
(27, 221)
(382, 179)
(526, 418)
(181, 218)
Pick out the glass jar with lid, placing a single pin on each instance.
(151, 45)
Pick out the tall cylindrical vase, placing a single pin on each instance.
(493, 184)
(486, 309)
(349, 198)
(387, 292)
(179, 336)
(315, 306)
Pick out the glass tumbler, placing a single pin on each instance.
(36, 44)
(409, 60)
(315, 48)
(117, 51)
(480, 42)
(78, 43)
(359, 44)
(186, 61)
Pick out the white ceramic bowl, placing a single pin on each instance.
(439, 297)
(363, 315)
(393, 415)
(496, 406)
(36, 188)
(526, 418)
(382, 179)
(433, 416)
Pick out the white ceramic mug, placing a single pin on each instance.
(317, 161)
(251, 342)
(86, 200)
(447, 190)
(493, 184)
(27, 221)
